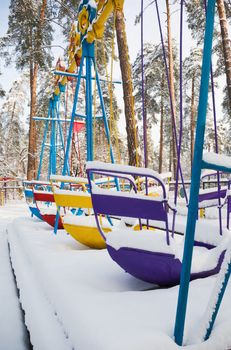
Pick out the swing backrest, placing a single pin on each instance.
(210, 194)
(127, 204)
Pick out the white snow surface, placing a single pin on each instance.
(42, 192)
(81, 220)
(48, 210)
(79, 299)
(207, 230)
(78, 180)
(72, 179)
(131, 194)
(155, 241)
(211, 190)
(36, 182)
(123, 169)
(11, 321)
(217, 159)
(199, 332)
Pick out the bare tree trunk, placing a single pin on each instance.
(193, 112)
(32, 147)
(126, 73)
(161, 126)
(226, 45)
(172, 89)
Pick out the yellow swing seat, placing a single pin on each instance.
(82, 228)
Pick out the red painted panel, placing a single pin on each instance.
(50, 219)
(44, 197)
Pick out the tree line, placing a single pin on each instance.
(29, 39)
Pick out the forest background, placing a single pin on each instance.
(15, 101)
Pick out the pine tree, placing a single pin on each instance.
(157, 102)
(126, 73)
(30, 34)
(2, 92)
(221, 43)
(14, 150)
(191, 69)
(172, 84)
(225, 45)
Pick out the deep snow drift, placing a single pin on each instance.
(12, 330)
(77, 298)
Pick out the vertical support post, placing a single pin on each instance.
(88, 56)
(223, 286)
(44, 141)
(69, 138)
(89, 110)
(61, 137)
(143, 88)
(228, 206)
(216, 141)
(52, 142)
(5, 190)
(196, 172)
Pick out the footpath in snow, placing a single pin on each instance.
(13, 335)
(77, 298)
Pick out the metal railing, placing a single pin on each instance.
(10, 188)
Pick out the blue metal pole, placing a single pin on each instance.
(196, 173)
(87, 105)
(43, 144)
(218, 302)
(50, 148)
(69, 138)
(61, 138)
(53, 143)
(90, 102)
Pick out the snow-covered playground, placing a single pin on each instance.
(78, 298)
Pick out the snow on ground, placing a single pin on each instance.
(207, 230)
(77, 298)
(12, 332)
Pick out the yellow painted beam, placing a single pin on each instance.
(73, 201)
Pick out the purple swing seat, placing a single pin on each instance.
(210, 195)
(228, 195)
(156, 267)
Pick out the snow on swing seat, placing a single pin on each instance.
(82, 228)
(83, 220)
(152, 256)
(145, 255)
(155, 241)
(209, 197)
